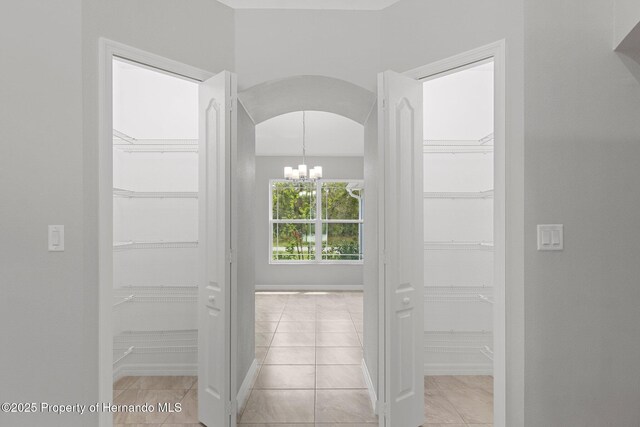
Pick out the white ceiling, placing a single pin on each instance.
(328, 134)
(310, 4)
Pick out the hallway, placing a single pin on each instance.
(310, 349)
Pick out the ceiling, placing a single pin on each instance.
(310, 4)
(328, 134)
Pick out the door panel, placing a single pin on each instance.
(402, 239)
(214, 283)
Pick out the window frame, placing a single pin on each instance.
(318, 222)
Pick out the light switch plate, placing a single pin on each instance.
(550, 237)
(56, 238)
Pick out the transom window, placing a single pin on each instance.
(306, 228)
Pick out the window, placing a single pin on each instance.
(307, 228)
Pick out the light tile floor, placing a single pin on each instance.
(152, 390)
(309, 347)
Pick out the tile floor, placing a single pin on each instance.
(152, 390)
(310, 350)
(309, 347)
(458, 401)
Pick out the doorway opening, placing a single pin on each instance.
(155, 241)
(309, 261)
(464, 251)
(458, 221)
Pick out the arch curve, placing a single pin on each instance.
(307, 93)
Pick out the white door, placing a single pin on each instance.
(214, 287)
(400, 209)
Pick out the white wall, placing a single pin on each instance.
(273, 44)
(286, 275)
(626, 18)
(582, 155)
(246, 272)
(326, 134)
(45, 356)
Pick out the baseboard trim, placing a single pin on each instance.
(168, 369)
(370, 388)
(247, 385)
(275, 287)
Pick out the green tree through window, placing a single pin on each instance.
(300, 233)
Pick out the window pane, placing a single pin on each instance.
(294, 200)
(294, 242)
(341, 242)
(337, 203)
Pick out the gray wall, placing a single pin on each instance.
(44, 356)
(292, 275)
(370, 271)
(245, 192)
(582, 157)
(273, 44)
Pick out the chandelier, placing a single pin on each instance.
(303, 173)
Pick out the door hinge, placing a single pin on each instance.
(230, 256)
(229, 408)
(384, 258)
(231, 103)
(383, 409)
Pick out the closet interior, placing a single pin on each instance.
(458, 222)
(155, 222)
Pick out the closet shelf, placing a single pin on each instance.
(125, 354)
(458, 246)
(121, 138)
(487, 352)
(468, 294)
(485, 298)
(124, 300)
(481, 146)
(129, 144)
(457, 149)
(119, 192)
(156, 338)
(189, 289)
(156, 350)
(459, 195)
(121, 246)
(154, 299)
(158, 149)
(155, 342)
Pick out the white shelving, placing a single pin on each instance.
(128, 144)
(486, 351)
(121, 246)
(458, 246)
(485, 298)
(482, 146)
(155, 224)
(119, 192)
(459, 195)
(471, 294)
(124, 355)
